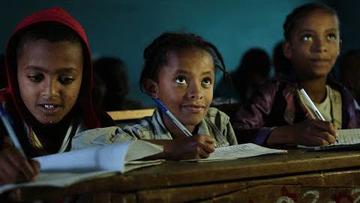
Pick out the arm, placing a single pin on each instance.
(253, 123)
(99, 137)
(195, 147)
(180, 148)
(250, 120)
(308, 132)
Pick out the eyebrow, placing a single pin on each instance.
(187, 72)
(61, 70)
(208, 73)
(327, 30)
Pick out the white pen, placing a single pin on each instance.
(312, 105)
(6, 120)
(173, 119)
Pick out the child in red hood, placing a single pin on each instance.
(48, 96)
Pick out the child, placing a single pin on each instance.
(48, 96)
(179, 70)
(276, 114)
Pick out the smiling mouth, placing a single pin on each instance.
(194, 108)
(50, 108)
(320, 61)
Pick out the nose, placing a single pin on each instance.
(320, 45)
(195, 91)
(51, 88)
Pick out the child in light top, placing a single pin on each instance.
(277, 114)
(180, 71)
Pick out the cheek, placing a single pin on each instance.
(209, 93)
(72, 94)
(27, 90)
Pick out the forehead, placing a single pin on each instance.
(316, 20)
(45, 54)
(191, 58)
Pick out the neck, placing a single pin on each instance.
(316, 89)
(51, 135)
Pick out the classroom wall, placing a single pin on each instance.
(349, 15)
(123, 28)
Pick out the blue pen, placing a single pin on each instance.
(173, 119)
(6, 120)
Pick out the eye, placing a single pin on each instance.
(37, 77)
(66, 79)
(306, 38)
(181, 80)
(206, 82)
(332, 37)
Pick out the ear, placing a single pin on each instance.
(287, 50)
(152, 88)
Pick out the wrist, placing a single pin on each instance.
(281, 135)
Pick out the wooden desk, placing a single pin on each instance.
(294, 177)
(130, 114)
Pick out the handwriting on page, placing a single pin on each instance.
(240, 151)
(348, 136)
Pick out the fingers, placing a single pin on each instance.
(35, 165)
(201, 153)
(205, 145)
(324, 126)
(14, 167)
(327, 138)
(312, 140)
(315, 133)
(21, 165)
(6, 171)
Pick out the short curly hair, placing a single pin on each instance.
(155, 55)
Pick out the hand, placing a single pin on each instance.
(195, 147)
(15, 168)
(308, 132)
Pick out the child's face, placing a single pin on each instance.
(49, 76)
(314, 45)
(185, 85)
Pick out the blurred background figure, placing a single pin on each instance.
(2, 71)
(111, 85)
(281, 64)
(253, 70)
(349, 72)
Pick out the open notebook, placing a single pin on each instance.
(64, 169)
(347, 139)
(238, 151)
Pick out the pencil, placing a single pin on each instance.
(172, 118)
(11, 133)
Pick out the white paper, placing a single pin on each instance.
(57, 179)
(239, 151)
(346, 138)
(64, 169)
(100, 158)
(108, 158)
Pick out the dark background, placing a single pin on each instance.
(123, 28)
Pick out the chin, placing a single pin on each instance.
(194, 121)
(49, 121)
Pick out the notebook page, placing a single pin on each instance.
(238, 151)
(348, 136)
(346, 139)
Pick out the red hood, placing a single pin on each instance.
(56, 15)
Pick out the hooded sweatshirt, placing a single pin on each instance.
(86, 116)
